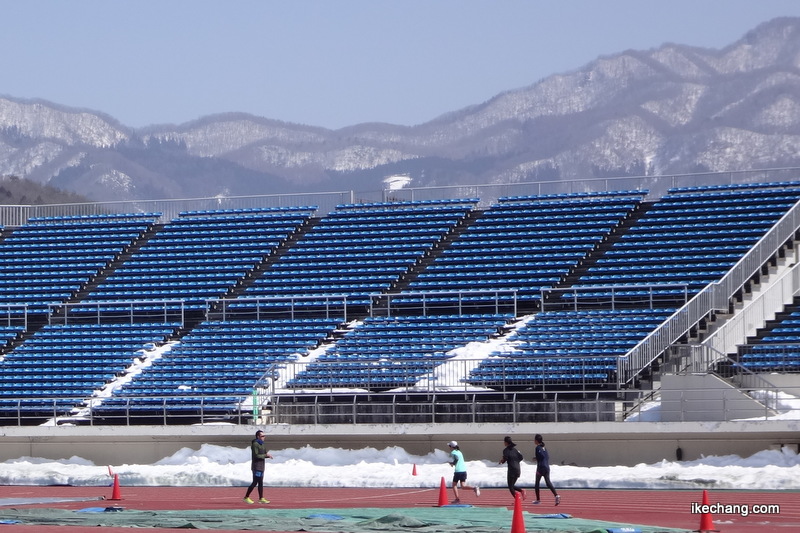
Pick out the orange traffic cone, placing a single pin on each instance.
(115, 493)
(414, 470)
(706, 524)
(443, 494)
(517, 521)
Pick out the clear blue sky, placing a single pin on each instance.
(331, 63)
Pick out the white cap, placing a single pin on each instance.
(452, 444)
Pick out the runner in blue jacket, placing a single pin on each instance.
(543, 468)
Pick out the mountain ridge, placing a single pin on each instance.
(671, 109)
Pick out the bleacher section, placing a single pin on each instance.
(526, 244)
(595, 257)
(384, 353)
(567, 349)
(201, 255)
(49, 259)
(216, 366)
(71, 362)
(360, 249)
(688, 239)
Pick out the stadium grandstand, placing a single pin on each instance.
(464, 310)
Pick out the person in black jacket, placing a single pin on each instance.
(258, 454)
(543, 468)
(512, 458)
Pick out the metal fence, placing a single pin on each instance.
(324, 202)
(16, 215)
(320, 409)
(655, 185)
(445, 408)
(434, 376)
(162, 410)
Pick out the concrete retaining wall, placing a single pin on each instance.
(583, 444)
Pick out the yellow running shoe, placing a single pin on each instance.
(248, 500)
(263, 500)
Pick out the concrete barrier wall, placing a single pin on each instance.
(582, 444)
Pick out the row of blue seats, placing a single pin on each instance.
(658, 269)
(63, 252)
(533, 226)
(359, 242)
(711, 215)
(10, 280)
(261, 239)
(693, 276)
(231, 389)
(715, 195)
(111, 233)
(405, 204)
(735, 192)
(572, 204)
(734, 205)
(368, 215)
(238, 220)
(45, 265)
(145, 276)
(593, 195)
(642, 243)
(701, 237)
(79, 243)
(263, 246)
(778, 185)
(418, 331)
(265, 349)
(211, 213)
(176, 283)
(724, 228)
(525, 378)
(623, 257)
(490, 270)
(376, 223)
(558, 209)
(189, 269)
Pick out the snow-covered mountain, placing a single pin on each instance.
(674, 109)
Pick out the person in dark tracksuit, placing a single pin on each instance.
(258, 454)
(512, 458)
(543, 468)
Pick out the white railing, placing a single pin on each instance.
(754, 315)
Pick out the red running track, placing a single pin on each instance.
(665, 508)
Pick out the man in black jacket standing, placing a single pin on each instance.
(258, 453)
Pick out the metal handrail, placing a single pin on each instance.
(715, 297)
